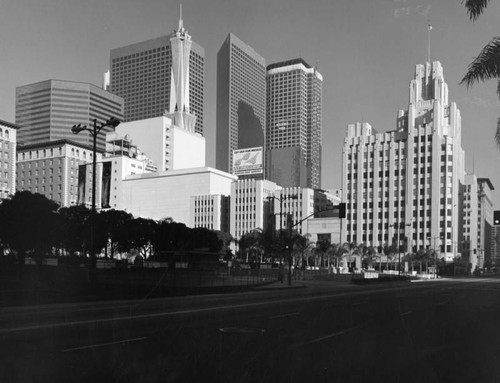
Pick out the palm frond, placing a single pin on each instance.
(475, 8)
(497, 134)
(485, 66)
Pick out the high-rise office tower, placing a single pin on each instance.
(145, 75)
(46, 111)
(293, 127)
(404, 186)
(241, 100)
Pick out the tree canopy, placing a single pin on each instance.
(486, 65)
(31, 224)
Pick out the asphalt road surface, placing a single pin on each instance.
(442, 331)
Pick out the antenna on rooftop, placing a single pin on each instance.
(429, 29)
(180, 17)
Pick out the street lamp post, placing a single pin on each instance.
(398, 227)
(282, 199)
(94, 132)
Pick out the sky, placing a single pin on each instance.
(365, 50)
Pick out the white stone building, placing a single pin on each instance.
(167, 194)
(168, 146)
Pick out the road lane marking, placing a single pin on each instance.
(338, 333)
(198, 310)
(326, 337)
(242, 330)
(104, 344)
(441, 303)
(284, 315)
(406, 313)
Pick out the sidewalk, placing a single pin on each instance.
(304, 283)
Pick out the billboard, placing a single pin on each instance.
(106, 185)
(82, 175)
(248, 161)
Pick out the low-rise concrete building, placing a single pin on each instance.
(249, 205)
(328, 229)
(210, 211)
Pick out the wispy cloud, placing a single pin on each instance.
(476, 101)
(402, 11)
(423, 9)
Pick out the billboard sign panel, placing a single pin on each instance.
(248, 161)
(106, 185)
(82, 175)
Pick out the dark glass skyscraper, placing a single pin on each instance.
(46, 111)
(241, 100)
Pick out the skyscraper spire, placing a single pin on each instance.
(179, 110)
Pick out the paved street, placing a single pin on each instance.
(320, 332)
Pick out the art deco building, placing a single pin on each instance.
(46, 111)
(293, 127)
(148, 76)
(405, 185)
(241, 100)
(8, 139)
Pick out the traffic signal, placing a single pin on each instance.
(342, 213)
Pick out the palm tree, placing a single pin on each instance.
(475, 8)
(380, 252)
(390, 253)
(338, 252)
(351, 248)
(321, 250)
(251, 243)
(302, 246)
(486, 65)
(368, 255)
